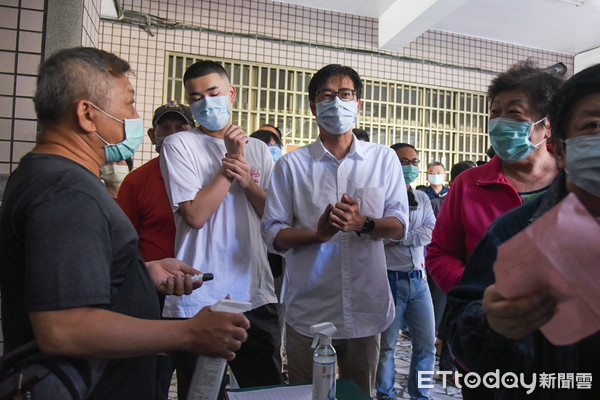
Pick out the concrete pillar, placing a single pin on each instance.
(64, 25)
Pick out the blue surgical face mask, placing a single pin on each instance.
(510, 138)
(583, 162)
(134, 136)
(337, 116)
(410, 172)
(212, 112)
(275, 152)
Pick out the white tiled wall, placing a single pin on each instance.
(21, 51)
(90, 33)
(21, 45)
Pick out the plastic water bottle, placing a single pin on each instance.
(324, 362)
(209, 371)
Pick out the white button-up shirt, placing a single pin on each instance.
(344, 280)
(409, 254)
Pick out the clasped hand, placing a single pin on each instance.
(344, 216)
(235, 164)
(237, 167)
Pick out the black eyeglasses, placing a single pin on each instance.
(328, 94)
(406, 161)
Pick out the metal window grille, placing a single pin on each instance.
(445, 125)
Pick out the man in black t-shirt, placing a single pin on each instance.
(71, 274)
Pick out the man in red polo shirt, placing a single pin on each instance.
(143, 196)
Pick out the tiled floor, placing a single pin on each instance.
(403, 353)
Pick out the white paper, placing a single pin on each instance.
(300, 392)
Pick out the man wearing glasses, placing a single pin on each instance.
(329, 205)
(408, 282)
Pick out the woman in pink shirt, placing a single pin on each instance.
(522, 169)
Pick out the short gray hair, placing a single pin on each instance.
(74, 74)
(435, 163)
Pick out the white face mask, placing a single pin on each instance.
(436, 179)
(583, 162)
(113, 174)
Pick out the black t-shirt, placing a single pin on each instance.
(65, 243)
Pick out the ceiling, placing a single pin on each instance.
(563, 26)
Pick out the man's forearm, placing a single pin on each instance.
(257, 197)
(388, 228)
(95, 332)
(206, 202)
(290, 238)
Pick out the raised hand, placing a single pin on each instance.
(235, 140)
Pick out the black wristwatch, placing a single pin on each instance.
(367, 227)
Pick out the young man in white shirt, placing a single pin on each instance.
(216, 178)
(329, 205)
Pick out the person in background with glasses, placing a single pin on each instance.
(521, 170)
(408, 282)
(327, 208)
